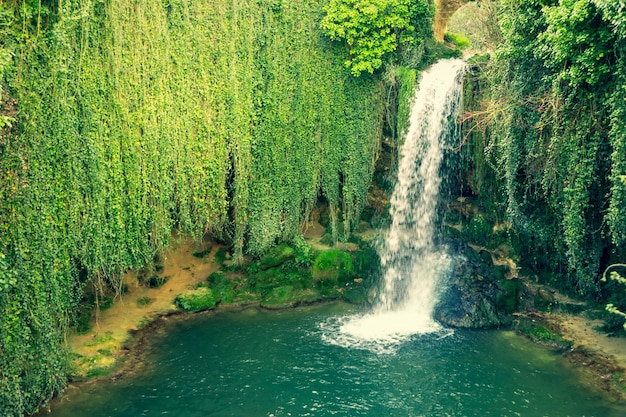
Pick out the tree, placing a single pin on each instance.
(373, 29)
(614, 276)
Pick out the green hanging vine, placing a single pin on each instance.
(125, 120)
(556, 134)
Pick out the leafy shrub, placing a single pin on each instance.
(221, 255)
(224, 286)
(196, 300)
(617, 316)
(373, 29)
(304, 253)
(144, 301)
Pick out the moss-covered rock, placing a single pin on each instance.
(277, 256)
(287, 296)
(278, 297)
(202, 298)
(332, 267)
(509, 301)
(264, 281)
(477, 296)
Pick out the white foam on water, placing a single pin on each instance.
(381, 333)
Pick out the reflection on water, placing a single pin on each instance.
(260, 363)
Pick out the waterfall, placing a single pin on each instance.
(412, 264)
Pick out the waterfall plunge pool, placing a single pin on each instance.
(334, 360)
(254, 363)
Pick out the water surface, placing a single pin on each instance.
(263, 363)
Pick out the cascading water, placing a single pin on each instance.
(413, 266)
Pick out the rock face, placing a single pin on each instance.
(477, 294)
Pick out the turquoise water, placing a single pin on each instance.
(264, 363)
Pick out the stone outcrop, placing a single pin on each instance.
(478, 295)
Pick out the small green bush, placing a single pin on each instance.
(196, 300)
(304, 253)
(613, 322)
(221, 255)
(221, 284)
(143, 301)
(217, 279)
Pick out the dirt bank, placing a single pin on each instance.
(601, 357)
(97, 351)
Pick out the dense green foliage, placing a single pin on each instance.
(617, 311)
(374, 29)
(136, 118)
(556, 135)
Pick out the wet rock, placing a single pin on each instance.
(476, 296)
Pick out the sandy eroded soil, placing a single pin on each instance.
(97, 351)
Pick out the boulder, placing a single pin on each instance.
(476, 295)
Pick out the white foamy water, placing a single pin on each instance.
(413, 266)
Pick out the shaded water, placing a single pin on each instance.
(261, 363)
